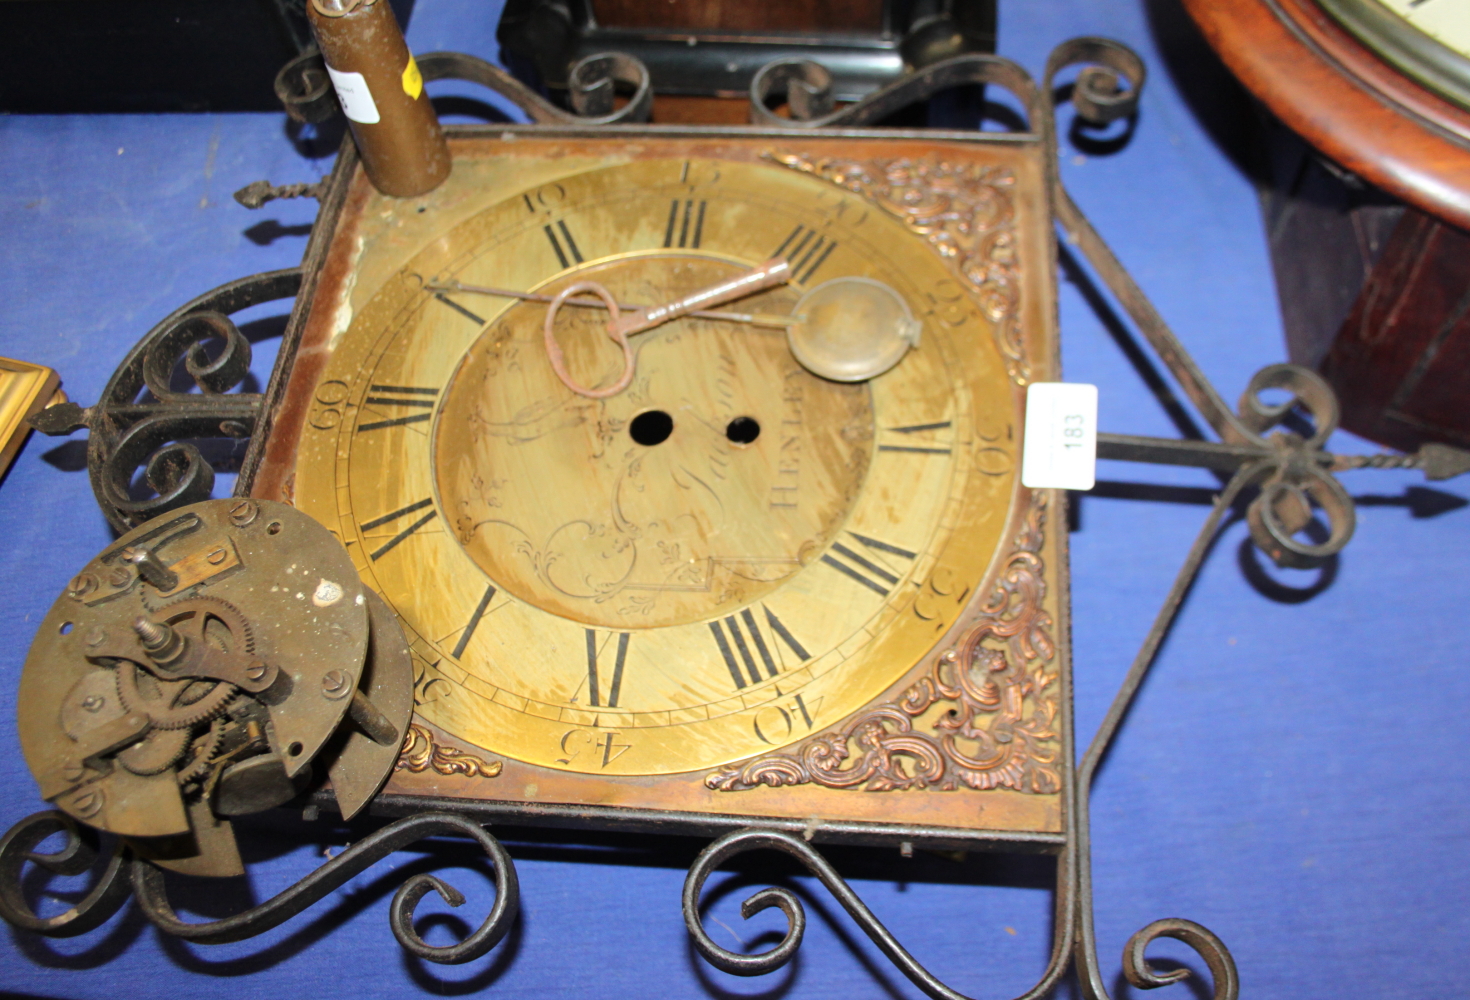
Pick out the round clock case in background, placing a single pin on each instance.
(1367, 216)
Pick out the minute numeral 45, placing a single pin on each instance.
(686, 224)
(806, 250)
(751, 655)
(868, 569)
(404, 397)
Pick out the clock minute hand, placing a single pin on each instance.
(753, 319)
(624, 320)
(776, 271)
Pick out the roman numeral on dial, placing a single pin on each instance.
(408, 397)
(747, 653)
(570, 253)
(459, 308)
(679, 233)
(919, 439)
(401, 513)
(806, 250)
(867, 569)
(597, 676)
(474, 623)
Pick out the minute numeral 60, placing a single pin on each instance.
(326, 412)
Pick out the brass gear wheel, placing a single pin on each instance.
(158, 752)
(168, 712)
(205, 747)
(181, 711)
(223, 611)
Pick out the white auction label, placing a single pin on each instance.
(357, 99)
(1060, 449)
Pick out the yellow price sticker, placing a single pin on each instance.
(413, 80)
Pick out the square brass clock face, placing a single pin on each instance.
(733, 588)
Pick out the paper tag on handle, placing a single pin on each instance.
(357, 99)
(1060, 448)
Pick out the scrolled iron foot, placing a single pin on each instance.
(19, 846)
(1201, 939)
(741, 841)
(148, 885)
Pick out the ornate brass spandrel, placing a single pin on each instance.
(421, 752)
(983, 716)
(967, 213)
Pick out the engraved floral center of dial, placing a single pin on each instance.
(722, 470)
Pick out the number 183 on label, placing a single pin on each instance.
(1060, 450)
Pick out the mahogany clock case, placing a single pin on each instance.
(1368, 249)
(362, 239)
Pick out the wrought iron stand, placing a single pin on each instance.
(1287, 477)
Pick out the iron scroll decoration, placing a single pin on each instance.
(143, 423)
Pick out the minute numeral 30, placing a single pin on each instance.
(679, 232)
(867, 569)
(806, 250)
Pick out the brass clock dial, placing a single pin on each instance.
(718, 561)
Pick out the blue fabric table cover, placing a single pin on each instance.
(1292, 775)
